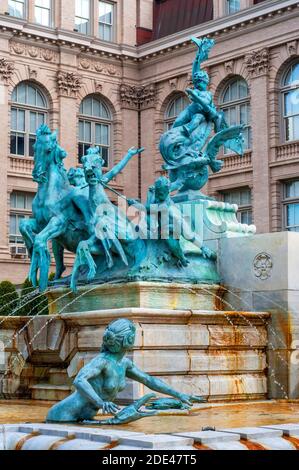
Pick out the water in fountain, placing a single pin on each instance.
(26, 300)
(51, 319)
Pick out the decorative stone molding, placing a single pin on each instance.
(98, 87)
(229, 66)
(257, 62)
(136, 97)
(95, 66)
(68, 84)
(262, 266)
(173, 83)
(292, 48)
(34, 52)
(6, 69)
(32, 72)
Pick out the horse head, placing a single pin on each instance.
(93, 166)
(46, 152)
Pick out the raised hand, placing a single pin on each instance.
(134, 151)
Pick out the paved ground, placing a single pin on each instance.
(61, 437)
(218, 415)
(269, 425)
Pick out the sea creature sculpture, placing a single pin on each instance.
(170, 404)
(187, 153)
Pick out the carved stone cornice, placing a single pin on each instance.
(257, 62)
(97, 66)
(27, 50)
(137, 97)
(6, 69)
(68, 84)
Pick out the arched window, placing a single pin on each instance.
(175, 107)
(290, 98)
(29, 110)
(235, 104)
(95, 127)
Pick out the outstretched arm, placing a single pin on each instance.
(204, 46)
(92, 371)
(122, 164)
(155, 384)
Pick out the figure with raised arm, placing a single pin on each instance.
(168, 223)
(202, 109)
(110, 230)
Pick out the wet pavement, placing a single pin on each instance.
(216, 415)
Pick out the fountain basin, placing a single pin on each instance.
(218, 354)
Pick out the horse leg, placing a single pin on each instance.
(41, 256)
(84, 254)
(58, 251)
(28, 229)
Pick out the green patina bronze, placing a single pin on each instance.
(73, 209)
(99, 382)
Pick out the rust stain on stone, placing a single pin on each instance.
(292, 440)
(60, 442)
(199, 446)
(111, 445)
(252, 445)
(26, 438)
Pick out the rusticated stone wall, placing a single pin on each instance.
(221, 355)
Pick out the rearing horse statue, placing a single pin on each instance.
(61, 212)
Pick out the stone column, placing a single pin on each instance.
(148, 142)
(69, 84)
(66, 14)
(3, 7)
(257, 64)
(128, 22)
(130, 96)
(6, 72)
(145, 14)
(30, 12)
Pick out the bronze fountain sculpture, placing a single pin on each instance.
(74, 211)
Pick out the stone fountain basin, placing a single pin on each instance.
(269, 425)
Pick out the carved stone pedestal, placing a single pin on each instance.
(151, 295)
(221, 355)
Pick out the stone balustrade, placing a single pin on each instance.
(287, 151)
(21, 165)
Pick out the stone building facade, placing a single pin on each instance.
(101, 73)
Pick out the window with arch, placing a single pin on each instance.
(290, 105)
(175, 107)
(235, 103)
(95, 123)
(29, 109)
